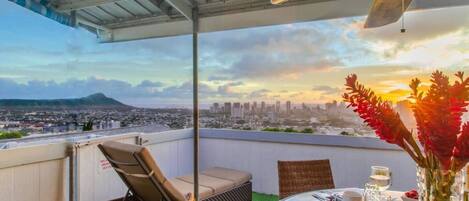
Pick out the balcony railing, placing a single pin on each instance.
(76, 170)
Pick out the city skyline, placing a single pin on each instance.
(304, 62)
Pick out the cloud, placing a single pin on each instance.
(285, 51)
(217, 78)
(150, 84)
(262, 66)
(238, 64)
(144, 93)
(177, 47)
(74, 88)
(227, 89)
(327, 90)
(297, 94)
(258, 94)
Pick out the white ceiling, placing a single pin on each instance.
(123, 20)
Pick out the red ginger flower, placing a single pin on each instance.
(461, 150)
(376, 113)
(438, 115)
(460, 88)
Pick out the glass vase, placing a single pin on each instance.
(440, 185)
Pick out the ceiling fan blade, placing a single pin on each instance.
(384, 12)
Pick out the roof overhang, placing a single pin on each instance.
(239, 20)
(125, 20)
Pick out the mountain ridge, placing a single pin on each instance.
(93, 101)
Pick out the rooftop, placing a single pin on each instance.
(124, 20)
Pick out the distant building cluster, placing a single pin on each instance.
(332, 118)
(242, 110)
(72, 121)
(329, 118)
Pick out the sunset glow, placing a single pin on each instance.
(304, 62)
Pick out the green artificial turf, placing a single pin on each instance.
(263, 197)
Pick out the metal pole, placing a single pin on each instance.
(73, 172)
(195, 79)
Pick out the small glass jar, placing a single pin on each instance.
(372, 192)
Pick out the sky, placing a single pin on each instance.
(301, 62)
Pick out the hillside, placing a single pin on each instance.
(94, 101)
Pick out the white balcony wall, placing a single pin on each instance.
(41, 172)
(97, 180)
(258, 153)
(34, 173)
(172, 151)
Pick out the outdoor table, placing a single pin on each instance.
(308, 196)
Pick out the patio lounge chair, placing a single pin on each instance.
(136, 167)
(302, 176)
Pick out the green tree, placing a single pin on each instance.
(345, 133)
(290, 130)
(88, 126)
(307, 130)
(12, 135)
(271, 129)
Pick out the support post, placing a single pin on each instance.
(73, 172)
(195, 84)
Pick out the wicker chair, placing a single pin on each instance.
(302, 176)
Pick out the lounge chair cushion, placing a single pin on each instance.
(188, 187)
(212, 181)
(236, 176)
(215, 184)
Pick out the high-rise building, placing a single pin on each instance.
(227, 108)
(263, 107)
(237, 111)
(288, 107)
(246, 108)
(215, 108)
(277, 107)
(332, 109)
(254, 107)
(332, 105)
(271, 115)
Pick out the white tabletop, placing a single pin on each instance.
(308, 196)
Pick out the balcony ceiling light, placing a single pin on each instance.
(384, 12)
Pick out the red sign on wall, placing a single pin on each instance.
(104, 164)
